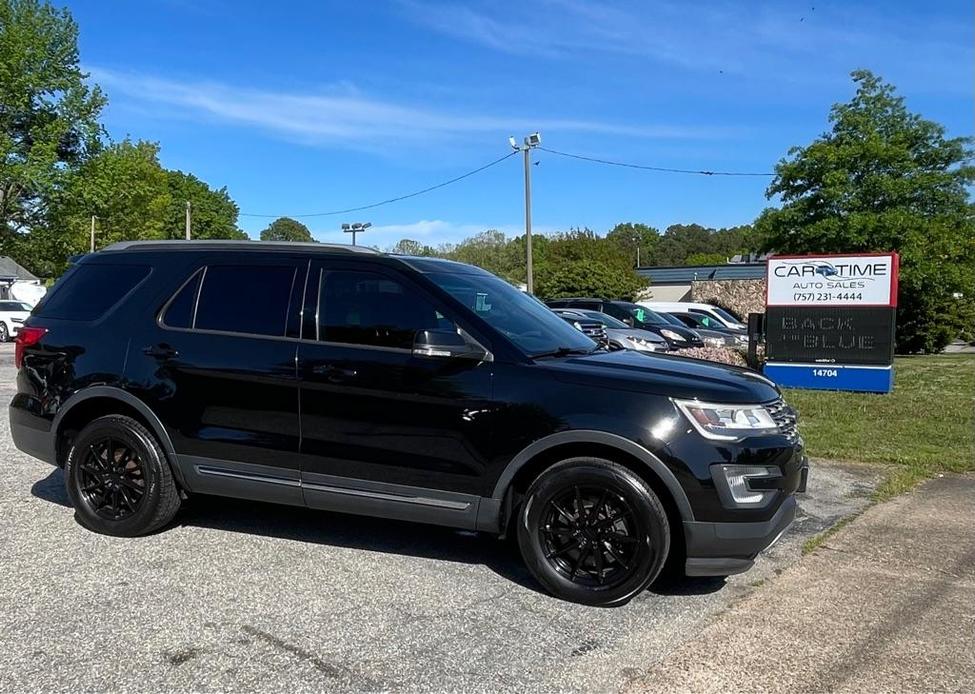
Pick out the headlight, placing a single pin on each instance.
(727, 422)
(670, 334)
(714, 341)
(643, 345)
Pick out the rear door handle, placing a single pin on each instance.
(160, 352)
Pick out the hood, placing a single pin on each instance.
(636, 334)
(687, 333)
(665, 375)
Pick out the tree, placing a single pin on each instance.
(637, 241)
(579, 262)
(286, 229)
(411, 247)
(885, 179)
(706, 259)
(587, 278)
(123, 186)
(48, 115)
(214, 213)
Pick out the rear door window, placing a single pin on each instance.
(91, 290)
(253, 300)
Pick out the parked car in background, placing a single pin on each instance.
(635, 316)
(420, 389)
(713, 337)
(618, 334)
(592, 329)
(716, 312)
(12, 316)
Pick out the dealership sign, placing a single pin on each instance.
(829, 321)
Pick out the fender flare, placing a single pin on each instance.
(620, 443)
(115, 393)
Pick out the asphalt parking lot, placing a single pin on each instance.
(244, 596)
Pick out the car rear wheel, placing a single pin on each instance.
(118, 478)
(591, 531)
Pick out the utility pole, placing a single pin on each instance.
(189, 218)
(530, 142)
(638, 255)
(93, 218)
(355, 229)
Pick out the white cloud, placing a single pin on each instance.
(343, 117)
(759, 40)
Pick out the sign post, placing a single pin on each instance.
(829, 321)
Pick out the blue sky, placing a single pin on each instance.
(302, 107)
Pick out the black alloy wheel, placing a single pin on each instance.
(592, 531)
(119, 479)
(112, 479)
(589, 535)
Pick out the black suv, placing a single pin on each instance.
(412, 388)
(635, 316)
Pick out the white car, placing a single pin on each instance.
(715, 312)
(12, 316)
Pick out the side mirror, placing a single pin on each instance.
(446, 344)
(629, 321)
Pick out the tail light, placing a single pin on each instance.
(26, 337)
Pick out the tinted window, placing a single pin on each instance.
(91, 290)
(367, 308)
(245, 299)
(180, 311)
(13, 306)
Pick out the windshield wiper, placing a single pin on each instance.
(563, 352)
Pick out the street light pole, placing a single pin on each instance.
(528, 222)
(355, 229)
(93, 218)
(530, 142)
(189, 218)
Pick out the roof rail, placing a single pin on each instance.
(201, 244)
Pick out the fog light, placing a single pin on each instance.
(738, 485)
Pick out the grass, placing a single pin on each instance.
(926, 426)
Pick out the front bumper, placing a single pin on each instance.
(722, 549)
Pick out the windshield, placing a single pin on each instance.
(724, 314)
(673, 320)
(606, 320)
(643, 314)
(522, 318)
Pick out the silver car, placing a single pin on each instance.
(618, 333)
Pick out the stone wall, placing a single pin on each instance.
(739, 296)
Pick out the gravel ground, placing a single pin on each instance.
(244, 596)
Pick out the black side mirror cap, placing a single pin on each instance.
(447, 344)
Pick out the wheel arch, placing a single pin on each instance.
(525, 466)
(97, 401)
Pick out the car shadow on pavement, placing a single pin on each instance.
(362, 532)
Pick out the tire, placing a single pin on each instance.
(132, 495)
(582, 557)
(4, 332)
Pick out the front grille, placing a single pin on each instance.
(786, 417)
(596, 331)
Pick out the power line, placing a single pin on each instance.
(660, 169)
(391, 200)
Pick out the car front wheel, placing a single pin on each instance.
(593, 532)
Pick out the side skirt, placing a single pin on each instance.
(329, 493)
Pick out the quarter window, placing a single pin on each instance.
(242, 299)
(367, 308)
(89, 290)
